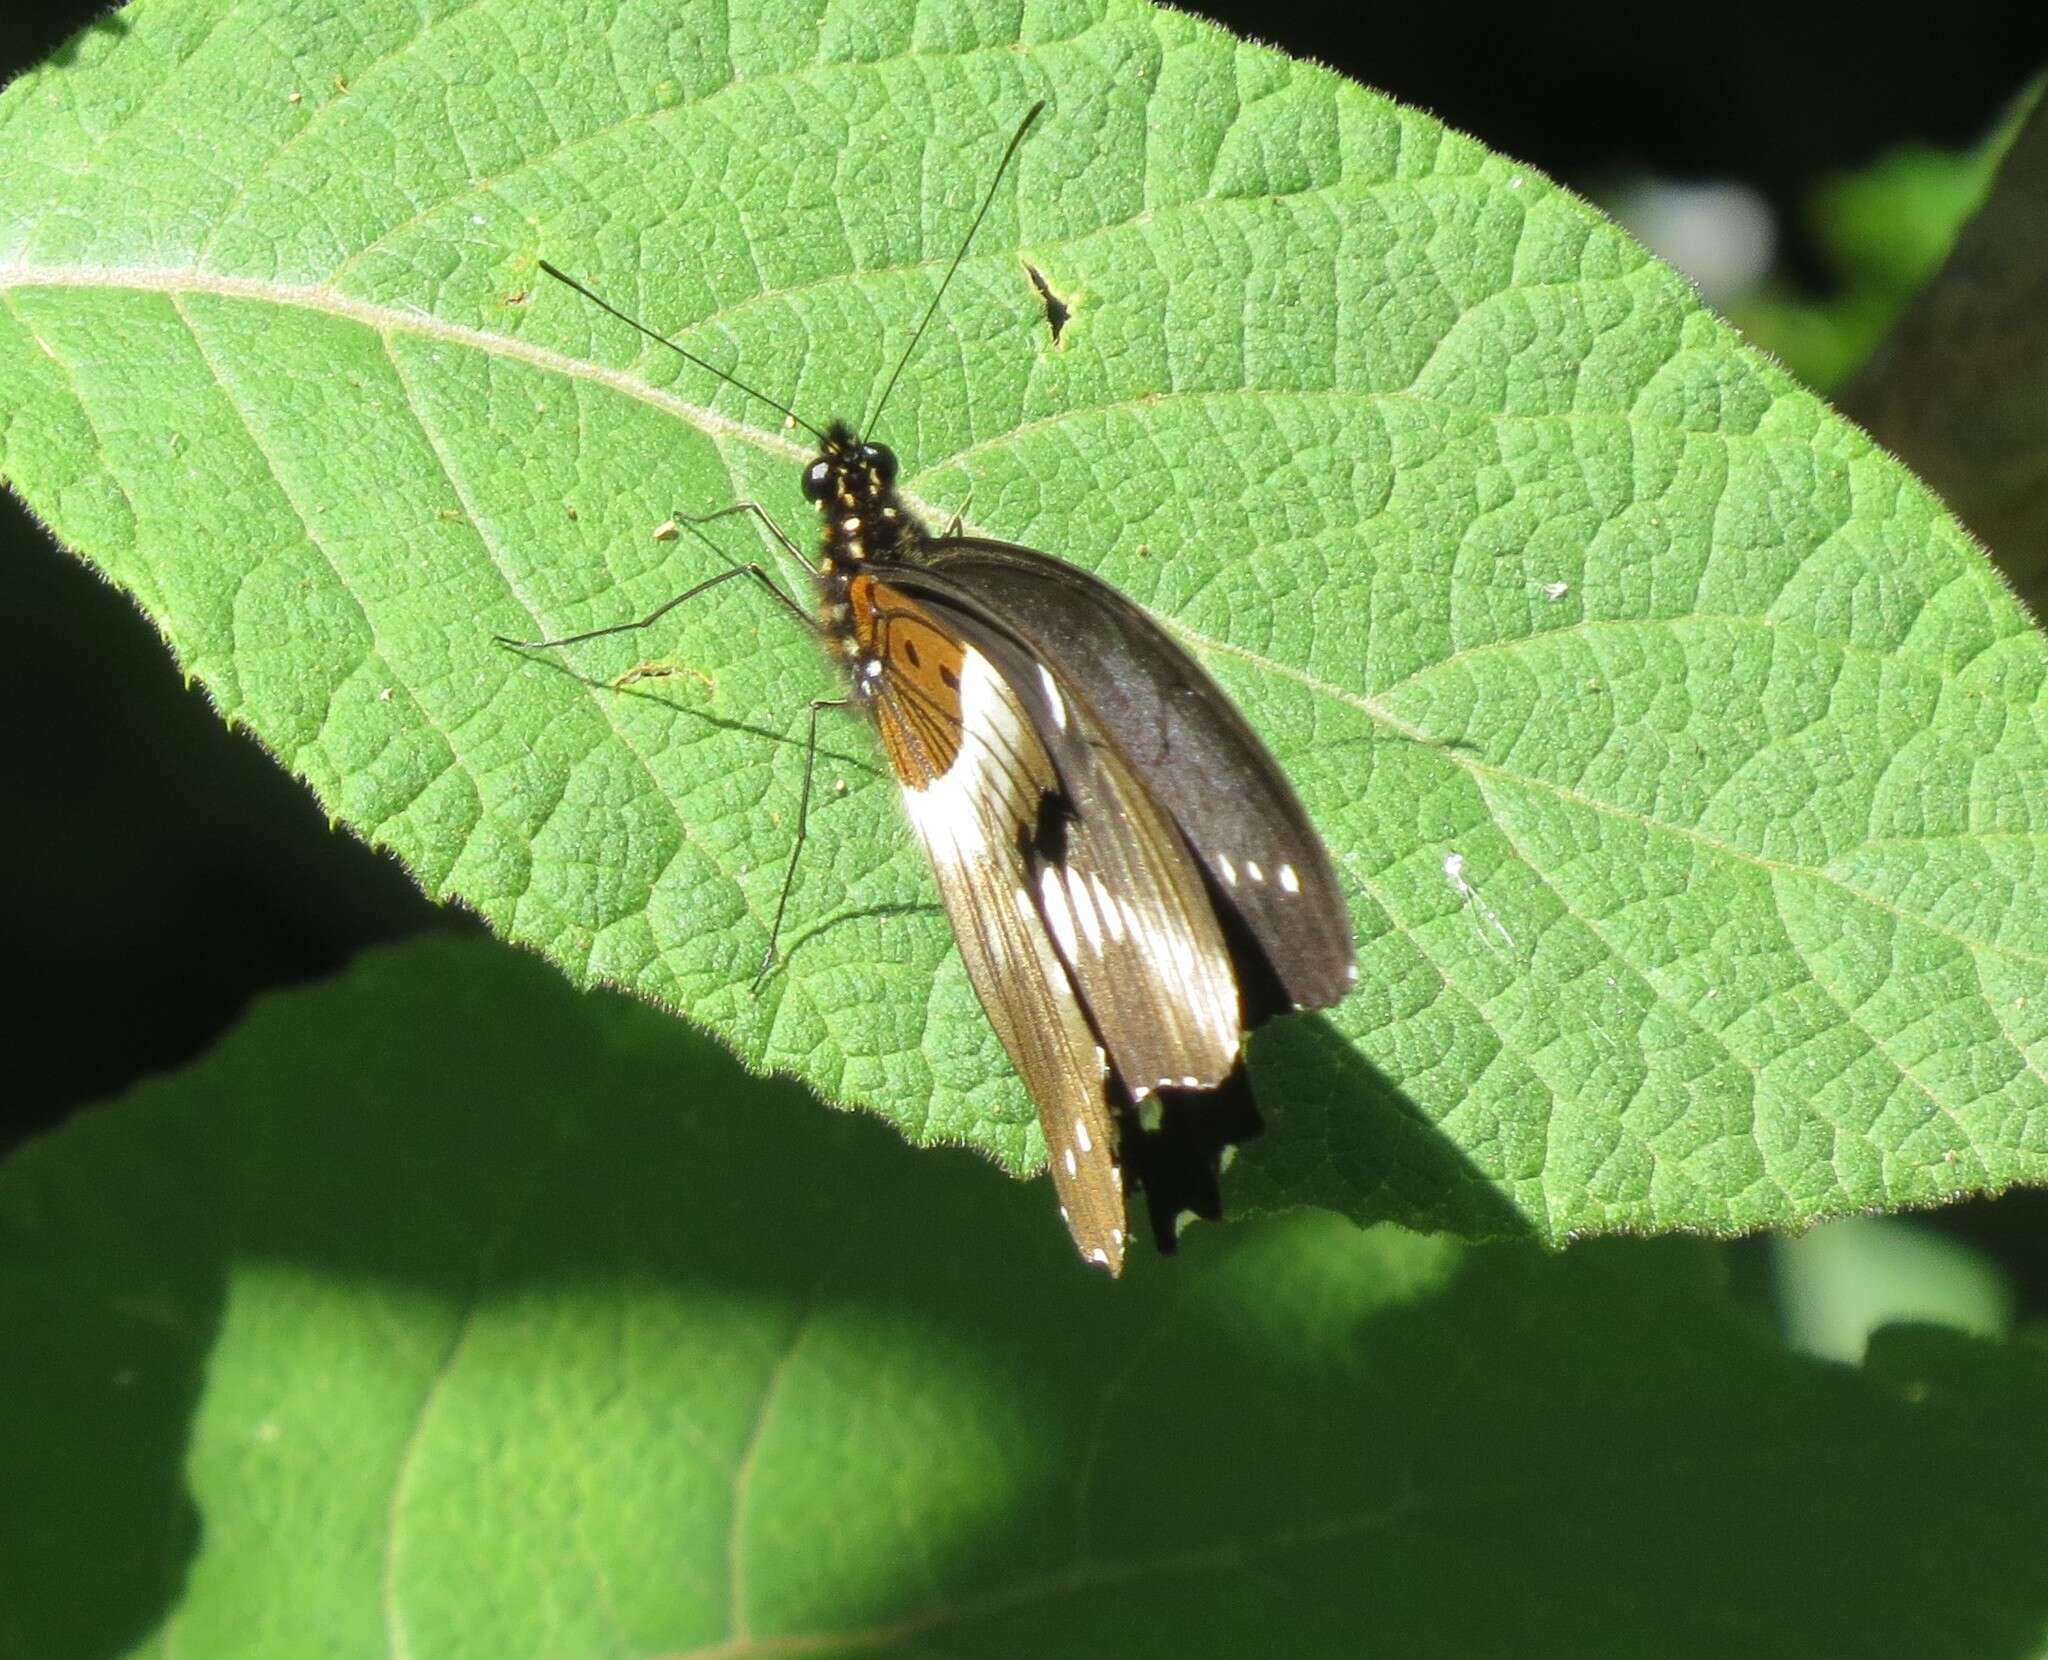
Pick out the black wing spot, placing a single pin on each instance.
(951, 679)
(1046, 841)
(1057, 311)
(910, 651)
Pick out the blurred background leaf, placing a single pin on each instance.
(1882, 231)
(422, 1365)
(1960, 385)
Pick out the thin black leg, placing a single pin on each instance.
(760, 513)
(803, 825)
(757, 572)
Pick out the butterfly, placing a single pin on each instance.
(1131, 880)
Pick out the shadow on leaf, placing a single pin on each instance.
(445, 1300)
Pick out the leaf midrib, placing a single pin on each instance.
(384, 320)
(174, 281)
(1101, 1570)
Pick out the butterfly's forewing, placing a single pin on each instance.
(1115, 885)
(974, 778)
(1187, 748)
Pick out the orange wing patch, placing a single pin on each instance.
(919, 716)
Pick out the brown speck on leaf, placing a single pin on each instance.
(516, 297)
(293, 97)
(1057, 311)
(657, 669)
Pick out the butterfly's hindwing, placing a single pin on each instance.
(1185, 745)
(1117, 888)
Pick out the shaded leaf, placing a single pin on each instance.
(1882, 231)
(535, 1326)
(1960, 387)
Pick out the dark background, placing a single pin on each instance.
(157, 871)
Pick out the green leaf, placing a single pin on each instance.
(1960, 386)
(1883, 232)
(1684, 761)
(398, 1354)
(1842, 1282)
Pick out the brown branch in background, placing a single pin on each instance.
(1959, 389)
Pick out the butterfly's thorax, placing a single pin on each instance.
(865, 524)
(890, 646)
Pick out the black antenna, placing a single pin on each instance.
(966, 241)
(662, 340)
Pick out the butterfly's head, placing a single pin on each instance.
(849, 473)
(853, 484)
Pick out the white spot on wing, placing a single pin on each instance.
(1084, 908)
(1052, 696)
(944, 812)
(1290, 881)
(1229, 870)
(1251, 869)
(1109, 905)
(1072, 1167)
(1082, 1138)
(1061, 920)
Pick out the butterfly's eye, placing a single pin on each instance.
(883, 460)
(817, 481)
